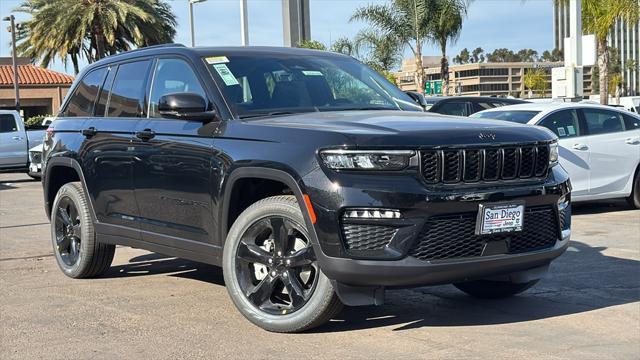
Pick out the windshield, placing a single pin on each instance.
(518, 116)
(283, 83)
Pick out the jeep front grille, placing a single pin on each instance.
(490, 164)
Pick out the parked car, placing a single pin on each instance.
(465, 105)
(307, 176)
(35, 153)
(599, 145)
(15, 142)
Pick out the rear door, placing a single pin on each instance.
(614, 153)
(173, 165)
(13, 142)
(108, 151)
(573, 146)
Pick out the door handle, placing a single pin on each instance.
(632, 141)
(89, 132)
(580, 147)
(146, 134)
(17, 138)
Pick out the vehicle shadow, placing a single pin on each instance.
(599, 207)
(583, 279)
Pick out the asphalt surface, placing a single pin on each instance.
(149, 306)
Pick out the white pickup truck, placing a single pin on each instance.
(15, 142)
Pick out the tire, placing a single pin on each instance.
(316, 301)
(488, 289)
(634, 198)
(78, 253)
(35, 176)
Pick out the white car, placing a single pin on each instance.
(599, 145)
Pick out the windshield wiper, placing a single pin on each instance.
(273, 113)
(362, 108)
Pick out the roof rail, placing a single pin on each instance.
(156, 47)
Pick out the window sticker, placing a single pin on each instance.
(571, 130)
(561, 132)
(216, 59)
(312, 73)
(226, 74)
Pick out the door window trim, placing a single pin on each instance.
(151, 60)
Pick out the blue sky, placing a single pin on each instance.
(491, 24)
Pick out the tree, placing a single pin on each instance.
(502, 55)
(445, 27)
(344, 46)
(552, 56)
(463, 57)
(535, 79)
(598, 17)
(92, 29)
(477, 55)
(379, 52)
(405, 22)
(312, 44)
(526, 55)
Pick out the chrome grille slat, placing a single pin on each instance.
(468, 165)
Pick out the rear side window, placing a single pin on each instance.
(172, 76)
(452, 108)
(563, 123)
(81, 103)
(7, 123)
(603, 121)
(127, 97)
(101, 105)
(631, 122)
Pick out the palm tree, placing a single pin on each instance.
(405, 23)
(92, 29)
(379, 52)
(444, 28)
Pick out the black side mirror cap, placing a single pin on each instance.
(418, 98)
(185, 106)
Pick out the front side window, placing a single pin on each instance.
(7, 123)
(631, 122)
(603, 121)
(172, 76)
(81, 103)
(453, 108)
(128, 91)
(285, 83)
(563, 123)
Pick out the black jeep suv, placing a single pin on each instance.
(307, 176)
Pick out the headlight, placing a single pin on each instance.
(366, 159)
(553, 154)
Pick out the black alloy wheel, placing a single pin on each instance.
(68, 231)
(276, 267)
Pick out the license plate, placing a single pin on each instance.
(500, 218)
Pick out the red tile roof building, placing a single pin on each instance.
(41, 90)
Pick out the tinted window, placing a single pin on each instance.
(631, 122)
(128, 90)
(172, 76)
(101, 105)
(521, 117)
(81, 103)
(603, 121)
(484, 105)
(452, 108)
(563, 123)
(7, 123)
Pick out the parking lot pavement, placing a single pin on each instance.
(151, 306)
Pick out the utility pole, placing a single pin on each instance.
(244, 23)
(296, 22)
(16, 80)
(193, 36)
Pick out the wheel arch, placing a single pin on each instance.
(260, 173)
(60, 171)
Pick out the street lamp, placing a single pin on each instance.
(191, 2)
(12, 30)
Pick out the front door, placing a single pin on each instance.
(173, 165)
(13, 142)
(573, 147)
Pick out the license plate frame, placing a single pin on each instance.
(491, 226)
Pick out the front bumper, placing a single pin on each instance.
(394, 266)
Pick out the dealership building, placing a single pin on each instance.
(41, 90)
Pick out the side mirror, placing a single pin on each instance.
(418, 98)
(185, 106)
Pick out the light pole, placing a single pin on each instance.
(244, 23)
(12, 29)
(191, 2)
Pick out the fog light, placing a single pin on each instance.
(563, 202)
(372, 214)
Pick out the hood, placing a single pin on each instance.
(400, 128)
